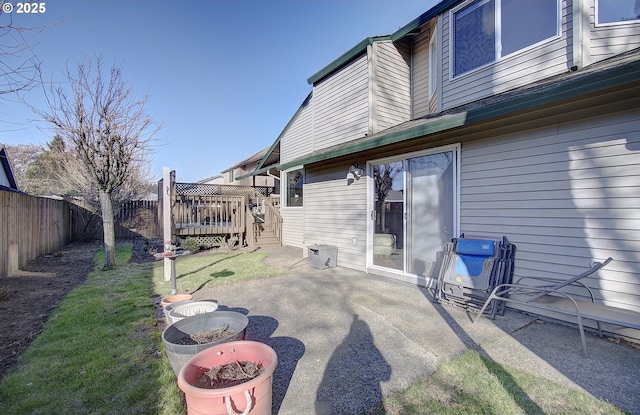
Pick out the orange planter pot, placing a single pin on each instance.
(249, 398)
(170, 299)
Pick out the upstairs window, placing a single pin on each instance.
(617, 11)
(295, 182)
(486, 30)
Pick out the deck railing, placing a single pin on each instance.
(201, 210)
(208, 214)
(272, 216)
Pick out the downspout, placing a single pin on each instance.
(580, 42)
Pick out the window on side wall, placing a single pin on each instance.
(486, 30)
(294, 180)
(617, 11)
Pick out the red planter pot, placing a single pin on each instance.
(249, 398)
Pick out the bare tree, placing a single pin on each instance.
(22, 156)
(105, 127)
(383, 177)
(19, 67)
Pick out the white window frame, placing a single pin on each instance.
(498, 46)
(618, 23)
(285, 189)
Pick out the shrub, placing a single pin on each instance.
(190, 244)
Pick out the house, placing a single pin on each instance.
(7, 178)
(236, 174)
(217, 179)
(489, 117)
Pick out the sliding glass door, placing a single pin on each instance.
(414, 211)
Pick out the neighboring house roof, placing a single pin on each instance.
(614, 72)
(7, 172)
(251, 159)
(210, 179)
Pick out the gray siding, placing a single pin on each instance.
(297, 141)
(341, 105)
(336, 213)
(392, 90)
(518, 69)
(293, 226)
(566, 193)
(420, 75)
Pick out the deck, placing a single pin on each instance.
(215, 210)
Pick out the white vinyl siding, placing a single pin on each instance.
(565, 194)
(392, 86)
(298, 139)
(292, 226)
(521, 68)
(420, 75)
(336, 214)
(341, 105)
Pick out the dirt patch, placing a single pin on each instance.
(28, 296)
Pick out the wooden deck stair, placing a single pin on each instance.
(267, 237)
(265, 234)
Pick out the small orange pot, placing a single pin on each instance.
(170, 299)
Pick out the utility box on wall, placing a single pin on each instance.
(323, 256)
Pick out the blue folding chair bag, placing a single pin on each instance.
(472, 254)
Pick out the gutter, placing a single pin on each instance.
(596, 81)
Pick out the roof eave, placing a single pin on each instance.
(588, 83)
(422, 19)
(345, 58)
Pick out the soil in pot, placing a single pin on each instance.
(206, 336)
(228, 375)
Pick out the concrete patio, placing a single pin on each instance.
(345, 339)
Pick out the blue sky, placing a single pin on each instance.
(224, 77)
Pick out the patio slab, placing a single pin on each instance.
(345, 339)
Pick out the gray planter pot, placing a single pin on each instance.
(178, 354)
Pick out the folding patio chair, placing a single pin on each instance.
(471, 268)
(553, 295)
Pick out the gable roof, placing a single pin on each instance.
(8, 170)
(345, 58)
(272, 155)
(617, 71)
(399, 34)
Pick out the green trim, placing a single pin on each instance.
(361, 47)
(345, 58)
(554, 93)
(284, 130)
(261, 168)
(257, 171)
(423, 18)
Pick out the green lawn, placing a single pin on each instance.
(100, 353)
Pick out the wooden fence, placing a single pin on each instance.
(138, 218)
(30, 227)
(135, 219)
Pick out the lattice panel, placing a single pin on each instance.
(220, 189)
(211, 240)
